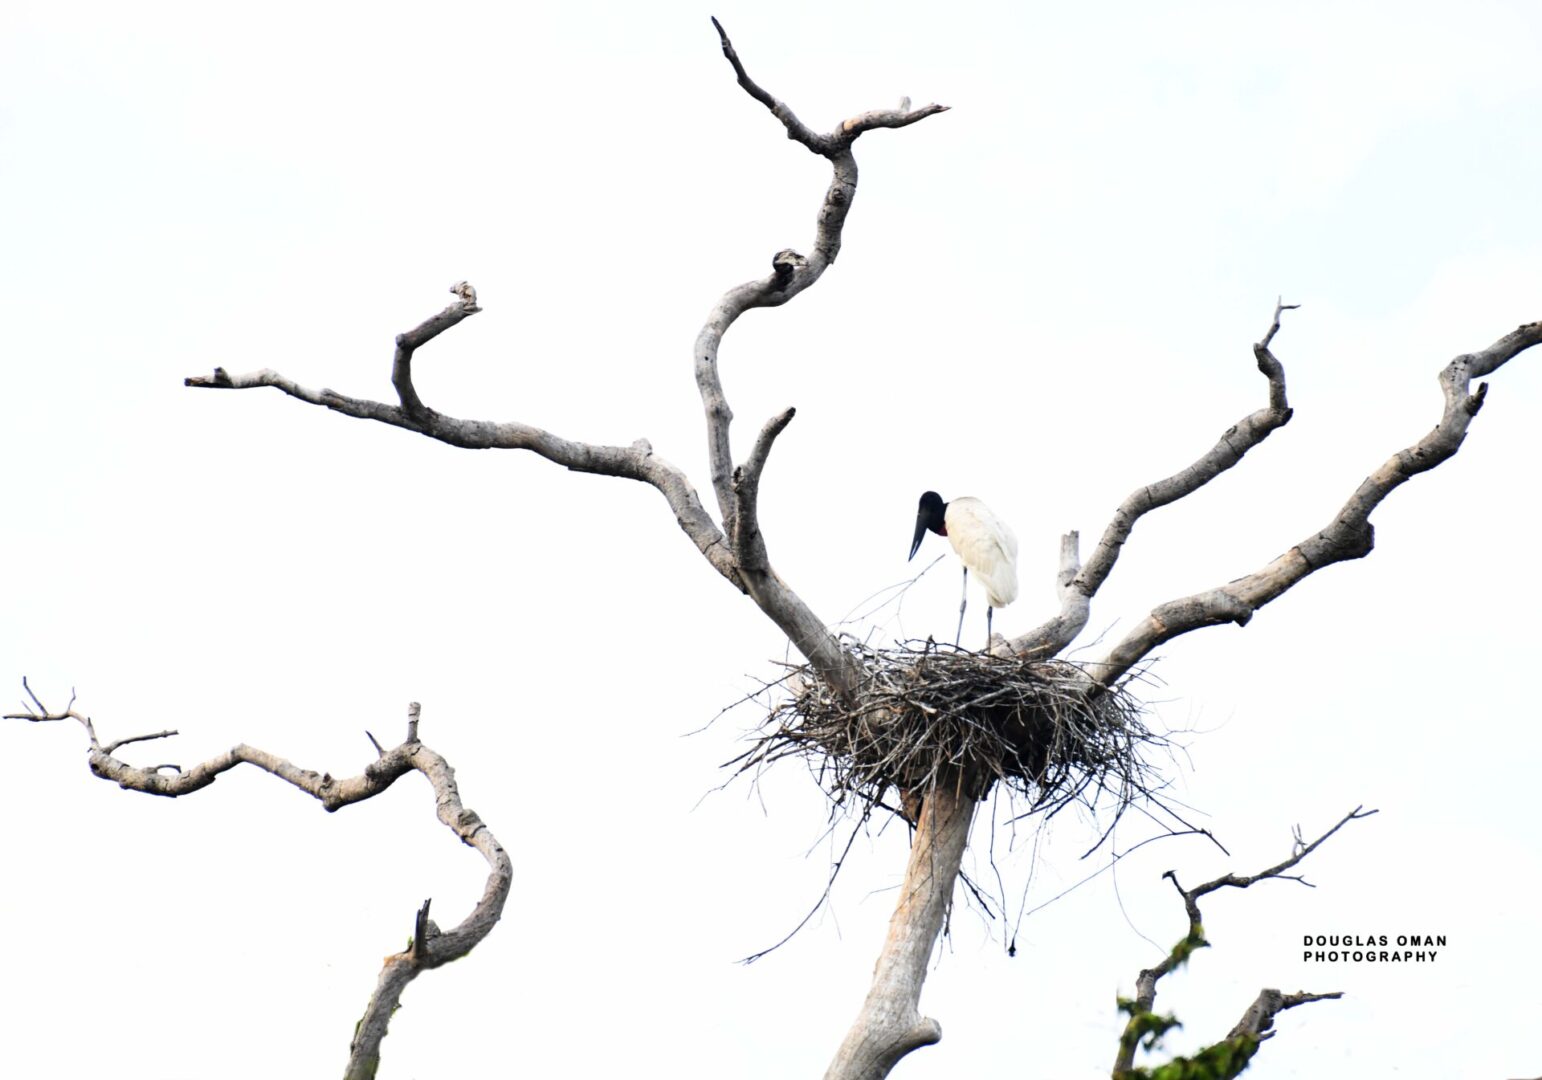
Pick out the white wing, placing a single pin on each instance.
(985, 545)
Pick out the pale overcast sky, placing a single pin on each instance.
(1046, 297)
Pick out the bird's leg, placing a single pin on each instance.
(963, 602)
(988, 612)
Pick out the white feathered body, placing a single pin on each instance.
(986, 546)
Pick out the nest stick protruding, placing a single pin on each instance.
(927, 715)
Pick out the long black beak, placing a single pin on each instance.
(915, 545)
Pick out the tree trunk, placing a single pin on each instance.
(890, 1024)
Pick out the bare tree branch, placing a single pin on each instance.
(1300, 851)
(736, 490)
(1143, 1023)
(791, 274)
(823, 145)
(795, 128)
(1348, 536)
(430, 947)
(112, 747)
(635, 462)
(890, 1024)
(1260, 1015)
(406, 344)
(1076, 599)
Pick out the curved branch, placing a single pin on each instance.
(430, 947)
(635, 462)
(796, 129)
(823, 145)
(791, 273)
(1348, 536)
(1076, 599)
(406, 344)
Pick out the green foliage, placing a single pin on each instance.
(1222, 1061)
(1186, 948)
(1145, 1027)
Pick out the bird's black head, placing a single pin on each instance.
(928, 516)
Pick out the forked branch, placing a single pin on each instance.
(791, 273)
(634, 462)
(735, 547)
(1230, 1056)
(1076, 595)
(430, 947)
(749, 544)
(1348, 536)
(824, 145)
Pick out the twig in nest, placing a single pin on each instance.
(927, 716)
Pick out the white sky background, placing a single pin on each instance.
(1046, 297)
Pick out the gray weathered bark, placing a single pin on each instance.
(1076, 595)
(890, 1024)
(430, 947)
(735, 547)
(1348, 536)
(734, 543)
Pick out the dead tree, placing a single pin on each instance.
(889, 1024)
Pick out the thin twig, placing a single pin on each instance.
(1145, 1025)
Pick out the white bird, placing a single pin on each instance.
(983, 544)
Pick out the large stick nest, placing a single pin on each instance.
(929, 715)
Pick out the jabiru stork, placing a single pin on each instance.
(983, 544)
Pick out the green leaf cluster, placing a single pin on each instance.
(1223, 1061)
